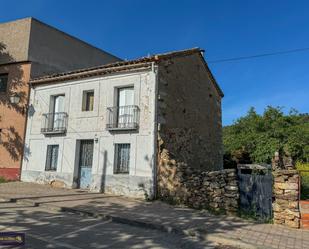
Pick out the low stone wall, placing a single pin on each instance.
(215, 190)
(286, 198)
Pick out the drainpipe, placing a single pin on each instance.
(25, 128)
(155, 70)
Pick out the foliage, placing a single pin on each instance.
(304, 173)
(255, 138)
(2, 180)
(252, 215)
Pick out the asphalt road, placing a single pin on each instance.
(50, 229)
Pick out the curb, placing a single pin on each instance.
(203, 236)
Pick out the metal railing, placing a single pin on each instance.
(122, 117)
(54, 123)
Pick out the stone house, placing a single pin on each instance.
(125, 127)
(30, 48)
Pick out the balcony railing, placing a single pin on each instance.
(54, 123)
(122, 117)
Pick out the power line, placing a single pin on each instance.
(260, 55)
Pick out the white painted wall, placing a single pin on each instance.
(88, 125)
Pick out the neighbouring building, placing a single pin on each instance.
(30, 48)
(115, 128)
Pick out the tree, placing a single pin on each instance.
(255, 138)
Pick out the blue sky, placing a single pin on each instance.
(225, 29)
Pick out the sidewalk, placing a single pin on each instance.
(158, 215)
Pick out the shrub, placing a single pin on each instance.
(2, 180)
(304, 174)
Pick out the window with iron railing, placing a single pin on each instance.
(55, 122)
(122, 117)
(125, 115)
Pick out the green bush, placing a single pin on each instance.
(2, 180)
(304, 174)
(254, 138)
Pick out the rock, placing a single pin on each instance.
(231, 188)
(279, 221)
(278, 191)
(57, 184)
(276, 207)
(292, 223)
(293, 214)
(286, 185)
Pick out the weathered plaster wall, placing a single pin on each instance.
(49, 51)
(12, 118)
(189, 117)
(88, 125)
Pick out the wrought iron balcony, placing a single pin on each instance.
(122, 117)
(54, 123)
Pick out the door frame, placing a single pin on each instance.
(78, 158)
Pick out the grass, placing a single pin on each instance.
(2, 180)
(304, 192)
(253, 216)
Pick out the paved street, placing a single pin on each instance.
(161, 216)
(51, 229)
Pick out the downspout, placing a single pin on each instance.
(155, 70)
(25, 126)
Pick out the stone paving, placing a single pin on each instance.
(201, 223)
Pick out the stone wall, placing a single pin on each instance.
(189, 113)
(215, 190)
(286, 198)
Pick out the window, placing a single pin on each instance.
(51, 157)
(122, 158)
(125, 106)
(88, 100)
(3, 82)
(126, 96)
(56, 117)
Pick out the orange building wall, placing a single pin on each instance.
(13, 118)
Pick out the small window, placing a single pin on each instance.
(88, 100)
(122, 158)
(52, 157)
(3, 82)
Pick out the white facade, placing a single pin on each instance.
(91, 125)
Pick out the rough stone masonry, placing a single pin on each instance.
(286, 198)
(215, 190)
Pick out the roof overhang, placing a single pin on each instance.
(124, 66)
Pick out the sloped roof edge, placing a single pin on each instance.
(120, 66)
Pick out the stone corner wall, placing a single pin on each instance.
(286, 198)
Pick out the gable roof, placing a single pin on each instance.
(123, 66)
